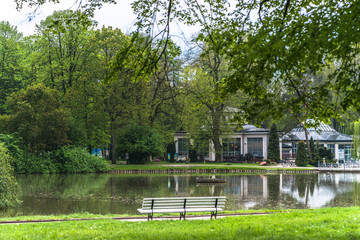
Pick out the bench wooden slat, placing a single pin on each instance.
(181, 198)
(180, 210)
(182, 205)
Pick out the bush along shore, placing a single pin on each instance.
(328, 223)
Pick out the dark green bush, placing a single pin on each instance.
(32, 163)
(8, 186)
(140, 142)
(77, 160)
(301, 155)
(63, 160)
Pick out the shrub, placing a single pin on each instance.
(8, 186)
(301, 155)
(140, 142)
(274, 148)
(63, 160)
(77, 160)
(34, 163)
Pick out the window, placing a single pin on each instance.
(231, 147)
(255, 146)
(294, 148)
(345, 152)
(331, 147)
(183, 146)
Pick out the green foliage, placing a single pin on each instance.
(326, 154)
(8, 186)
(35, 163)
(12, 144)
(140, 142)
(63, 160)
(11, 69)
(193, 155)
(77, 160)
(274, 148)
(314, 153)
(356, 140)
(35, 113)
(301, 155)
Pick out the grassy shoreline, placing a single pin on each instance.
(207, 166)
(327, 223)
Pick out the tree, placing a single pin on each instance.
(301, 155)
(35, 113)
(8, 186)
(140, 142)
(356, 140)
(62, 42)
(315, 153)
(11, 55)
(269, 43)
(273, 147)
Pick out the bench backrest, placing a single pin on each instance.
(183, 202)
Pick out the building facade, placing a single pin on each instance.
(248, 140)
(324, 135)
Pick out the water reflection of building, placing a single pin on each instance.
(273, 191)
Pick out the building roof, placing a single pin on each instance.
(252, 128)
(246, 128)
(323, 133)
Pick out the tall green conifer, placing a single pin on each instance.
(273, 147)
(301, 155)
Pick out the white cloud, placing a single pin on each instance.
(119, 15)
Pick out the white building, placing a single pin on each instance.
(339, 143)
(249, 141)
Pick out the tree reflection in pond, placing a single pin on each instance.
(121, 194)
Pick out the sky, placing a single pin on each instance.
(119, 15)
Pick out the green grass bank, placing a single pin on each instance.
(165, 167)
(329, 223)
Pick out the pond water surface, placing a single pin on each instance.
(122, 194)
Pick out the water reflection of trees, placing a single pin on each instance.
(104, 193)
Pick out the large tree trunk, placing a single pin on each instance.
(307, 143)
(112, 143)
(218, 150)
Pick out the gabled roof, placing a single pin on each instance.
(323, 133)
(252, 128)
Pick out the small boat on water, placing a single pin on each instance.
(210, 180)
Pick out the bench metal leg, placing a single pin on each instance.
(150, 216)
(213, 214)
(182, 215)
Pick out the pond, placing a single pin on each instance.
(122, 194)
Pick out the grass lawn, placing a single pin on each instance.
(330, 223)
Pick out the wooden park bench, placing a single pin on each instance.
(182, 205)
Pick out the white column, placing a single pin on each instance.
(176, 144)
(265, 145)
(211, 152)
(336, 152)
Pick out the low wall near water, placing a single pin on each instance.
(176, 171)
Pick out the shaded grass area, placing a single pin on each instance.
(90, 215)
(331, 223)
(199, 166)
